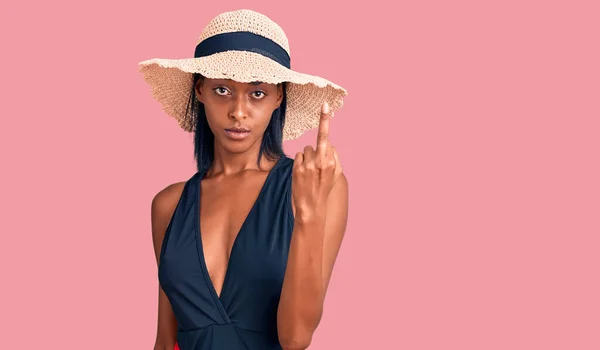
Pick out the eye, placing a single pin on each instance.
(221, 91)
(261, 94)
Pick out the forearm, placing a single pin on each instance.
(303, 292)
(164, 342)
(158, 346)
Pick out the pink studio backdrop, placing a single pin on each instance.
(469, 137)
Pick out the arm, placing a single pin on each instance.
(316, 240)
(163, 206)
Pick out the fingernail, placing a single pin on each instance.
(325, 107)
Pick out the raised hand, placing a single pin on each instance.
(315, 171)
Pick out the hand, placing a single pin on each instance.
(315, 171)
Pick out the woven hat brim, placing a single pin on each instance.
(171, 82)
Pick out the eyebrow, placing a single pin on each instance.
(224, 81)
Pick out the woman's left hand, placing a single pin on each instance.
(315, 171)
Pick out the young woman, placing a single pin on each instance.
(245, 248)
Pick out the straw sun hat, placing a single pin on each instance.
(244, 46)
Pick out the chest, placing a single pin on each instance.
(224, 208)
(235, 234)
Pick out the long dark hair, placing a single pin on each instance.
(272, 143)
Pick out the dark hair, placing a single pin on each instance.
(271, 145)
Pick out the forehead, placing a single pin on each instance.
(236, 83)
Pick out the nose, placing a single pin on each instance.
(239, 108)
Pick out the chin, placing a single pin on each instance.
(237, 146)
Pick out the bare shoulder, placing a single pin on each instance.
(166, 199)
(162, 209)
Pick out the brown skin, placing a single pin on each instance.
(320, 207)
(320, 199)
(163, 207)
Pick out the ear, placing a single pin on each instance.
(198, 90)
(279, 94)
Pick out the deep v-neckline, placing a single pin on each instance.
(219, 297)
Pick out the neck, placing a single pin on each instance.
(227, 163)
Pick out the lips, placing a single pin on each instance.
(238, 130)
(237, 133)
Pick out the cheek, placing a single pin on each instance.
(213, 120)
(264, 121)
(266, 113)
(213, 112)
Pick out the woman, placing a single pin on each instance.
(245, 248)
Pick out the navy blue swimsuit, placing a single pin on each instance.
(244, 317)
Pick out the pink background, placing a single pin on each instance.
(470, 139)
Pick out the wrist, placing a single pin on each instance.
(310, 216)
